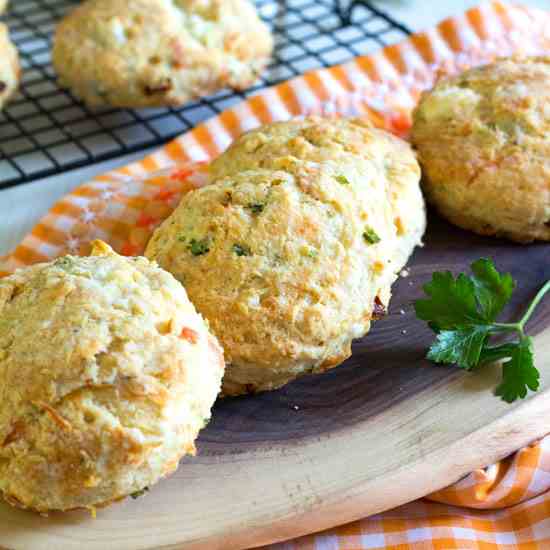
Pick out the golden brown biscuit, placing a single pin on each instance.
(483, 139)
(9, 66)
(290, 259)
(107, 374)
(324, 140)
(144, 53)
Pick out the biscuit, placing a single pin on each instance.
(145, 53)
(291, 257)
(483, 140)
(324, 140)
(9, 67)
(107, 374)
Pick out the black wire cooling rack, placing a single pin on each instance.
(46, 131)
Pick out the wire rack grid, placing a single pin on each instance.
(46, 131)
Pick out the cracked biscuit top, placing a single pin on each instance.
(483, 140)
(288, 266)
(327, 141)
(292, 249)
(107, 374)
(144, 53)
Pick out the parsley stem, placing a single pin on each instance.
(520, 325)
(505, 327)
(534, 304)
(508, 327)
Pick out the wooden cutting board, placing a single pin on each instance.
(384, 428)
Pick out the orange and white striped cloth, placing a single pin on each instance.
(504, 506)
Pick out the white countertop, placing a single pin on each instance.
(22, 206)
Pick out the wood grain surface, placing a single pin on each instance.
(384, 428)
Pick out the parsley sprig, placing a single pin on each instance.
(463, 313)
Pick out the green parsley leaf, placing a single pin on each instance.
(66, 263)
(371, 236)
(256, 207)
(241, 250)
(198, 247)
(140, 493)
(491, 354)
(519, 373)
(492, 290)
(463, 311)
(462, 347)
(342, 180)
(451, 304)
